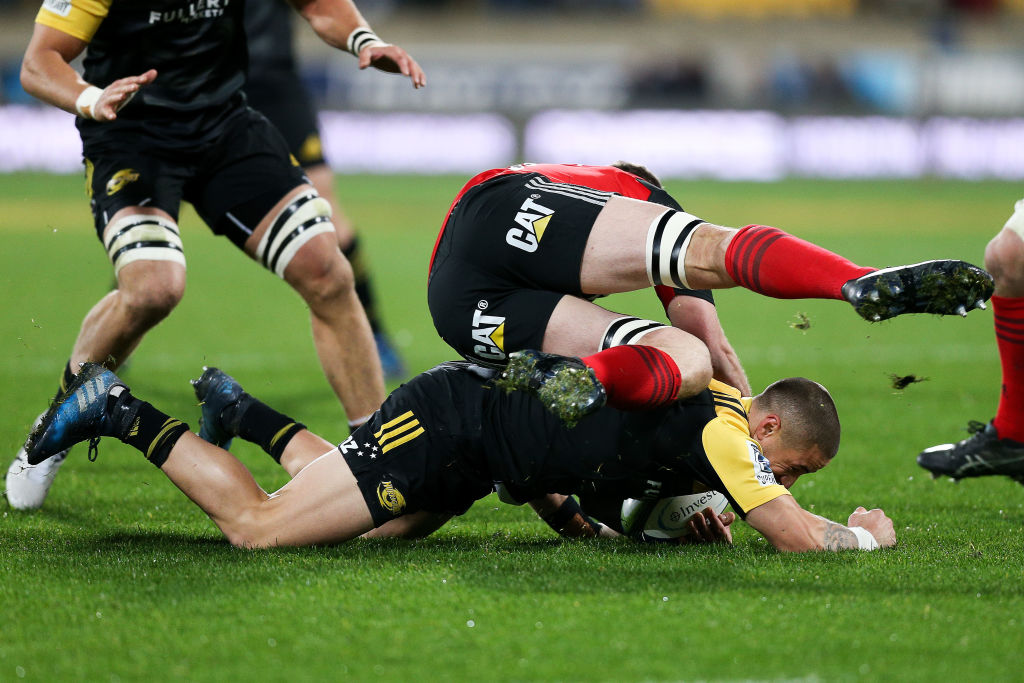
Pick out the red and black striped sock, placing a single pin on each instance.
(636, 377)
(774, 263)
(1009, 323)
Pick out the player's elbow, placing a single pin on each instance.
(30, 76)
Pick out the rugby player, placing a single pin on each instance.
(442, 440)
(525, 250)
(275, 89)
(162, 118)
(996, 448)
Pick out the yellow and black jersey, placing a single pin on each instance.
(443, 439)
(693, 445)
(197, 47)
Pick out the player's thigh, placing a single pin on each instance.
(135, 196)
(245, 181)
(616, 255)
(579, 328)
(483, 322)
(322, 504)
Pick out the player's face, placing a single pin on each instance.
(789, 464)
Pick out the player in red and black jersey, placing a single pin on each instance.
(440, 441)
(525, 250)
(163, 119)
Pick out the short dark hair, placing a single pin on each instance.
(808, 414)
(639, 171)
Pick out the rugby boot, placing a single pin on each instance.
(27, 486)
(981, 454)
(939, 287)
(566, 386)
(218, 391)
(82, 414)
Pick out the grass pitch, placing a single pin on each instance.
(120, 578)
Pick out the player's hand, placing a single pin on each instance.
(707, 527)
(394, 60)
(877, 523)
(118, 94)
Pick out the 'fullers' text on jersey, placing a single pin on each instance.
(200, 9)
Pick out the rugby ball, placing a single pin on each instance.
(668, 517)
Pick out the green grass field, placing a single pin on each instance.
(119, 577)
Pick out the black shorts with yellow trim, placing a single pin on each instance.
(421, 450)
(280, 95)
(239, 163)
(511, 249)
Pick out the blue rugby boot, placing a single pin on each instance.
(390, 362)
(218, 392)
(565, 385)
(938, 287)
(83, 414)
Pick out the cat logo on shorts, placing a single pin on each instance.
(532, 220)
(390, 498)
(489, 335)
(120, 179)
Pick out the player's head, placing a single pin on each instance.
(796, 423)
(639, 171)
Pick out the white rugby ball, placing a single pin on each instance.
(670, 516)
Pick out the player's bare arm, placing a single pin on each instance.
(46, 73)
(700, 318)
(790, 528)
(340, 24)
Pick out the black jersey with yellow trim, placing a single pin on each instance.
(699, 443)
(198, 48)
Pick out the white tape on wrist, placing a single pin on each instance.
(87, 100)
(362, 38)
(865, 541)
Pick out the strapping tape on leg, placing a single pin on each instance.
(141, 237)
(305, 217)
(1016, 221)
(668, 238)
(627, 330)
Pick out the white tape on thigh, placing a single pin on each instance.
(305, 217)
(1016, 221)
(668, 238)
(627, 330)
(141, 237)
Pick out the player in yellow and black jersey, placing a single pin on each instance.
(163, 120)
(442, 440)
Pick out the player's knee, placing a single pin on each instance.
(298, 224)
(1004, 258)
(248, 529)
(152, 299)
(321, 275)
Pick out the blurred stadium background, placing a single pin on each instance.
(733, 89)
